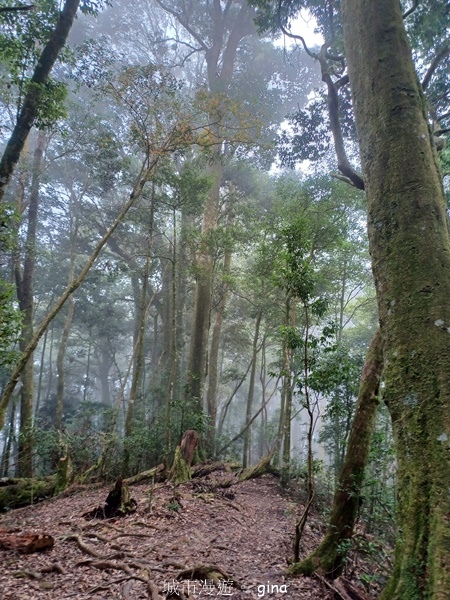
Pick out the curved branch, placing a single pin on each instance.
(342, 82)
(344, 165)
(183, 23)
(293, 35)
(415, 4)
(443, 53)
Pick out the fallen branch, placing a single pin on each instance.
(207, 469)
(155, 472)
(261, 468)
(19, 492)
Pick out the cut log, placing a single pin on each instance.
(26, 543)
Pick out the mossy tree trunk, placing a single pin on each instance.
(247, 452)
(33, 96)
(24, 286)
(410, 249)
(184, 457)
(228, 29)
(286, 424)
(213, 367)
(329, 556)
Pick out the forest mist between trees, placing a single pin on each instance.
(184, 248)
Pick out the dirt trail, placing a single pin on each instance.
(246, 530)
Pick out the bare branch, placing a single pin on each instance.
(184, 23)
(343, 81)
(344, 165)
(415, 4)
(443, 53)
(444, 116)
(293, 36)
(16, 8)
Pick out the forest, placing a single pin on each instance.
(225, 296)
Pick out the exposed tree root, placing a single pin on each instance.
(120, 561)
(81, 545)
(208, 572)
(38, 575)
(343, 588)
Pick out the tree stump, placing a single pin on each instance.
(117, 504)
(184, 456)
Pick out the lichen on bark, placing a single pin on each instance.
(410, 250)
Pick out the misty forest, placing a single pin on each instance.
(225, 299)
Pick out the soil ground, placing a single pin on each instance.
(246, 530)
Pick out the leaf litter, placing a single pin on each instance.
(196, 541)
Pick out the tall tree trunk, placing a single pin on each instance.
(67, 324)
(213, 367)
(25, 295)
(228, 32)
(138, 341)
(290, 305)
(33, 96)
(329, 556)
(410, 249)
(262, 378)
(247, 453)
(104, 368)
(174, 348)
(9, 439)
(203, 294)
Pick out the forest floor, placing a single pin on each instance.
(246, 530)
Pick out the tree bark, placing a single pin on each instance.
(213, 380)
(290, 306)
(247, 453)
(30, 106)
(329, 557)
(67, 324)
(141, 310)
(24, 284)
(220, 60)
(203, 293)
(410, 249)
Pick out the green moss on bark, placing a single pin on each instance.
(329, 557)
(410, 250)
